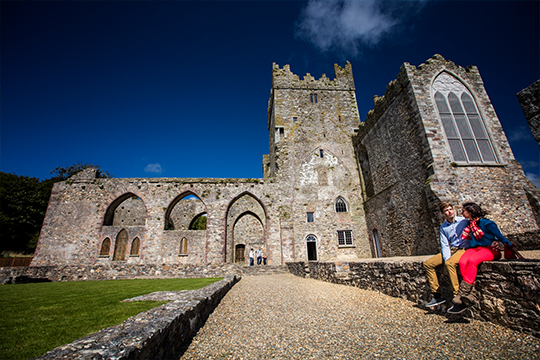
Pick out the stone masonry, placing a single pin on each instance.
(334, 188)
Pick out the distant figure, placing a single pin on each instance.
(251, 257)
(452, 248)
(259, 256)
(264, 258)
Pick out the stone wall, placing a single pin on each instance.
(508, 291)
(160, 333)
(113, 270)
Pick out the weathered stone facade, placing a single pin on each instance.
(331, 183)
(413, 155)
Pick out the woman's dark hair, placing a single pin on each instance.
(474, 209)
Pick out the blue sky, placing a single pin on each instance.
(180, 89)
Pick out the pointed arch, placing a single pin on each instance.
(169, 217)
(340, 204)
(240, 207)
(135, 247)
(462, 122)
(105, 247)
(120, 246)
(183, 247)
(135, 203)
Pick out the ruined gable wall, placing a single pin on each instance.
(500, 188)
(393, 139)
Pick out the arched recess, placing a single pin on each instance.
(246, 224)
(120, 245)
(105, 247)
(183, 211)
(126, 210)
(135, 246)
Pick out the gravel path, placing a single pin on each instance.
(287, 317)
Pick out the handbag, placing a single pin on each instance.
(511, 253)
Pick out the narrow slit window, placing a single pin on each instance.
(321, 152)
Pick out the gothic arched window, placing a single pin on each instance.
(105, 247)
(464, 128)
(341, 205)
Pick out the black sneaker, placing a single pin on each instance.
(435, 302)
(457, 309)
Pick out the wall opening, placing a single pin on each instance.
(135, 246)
(105, 247)
(376, 244)
(311, 244)
(240, 253)
(120, 246)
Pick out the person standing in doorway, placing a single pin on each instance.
(453, 246)
(259, 256)
(251, 257)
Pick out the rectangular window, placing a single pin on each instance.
(309, 217)
(313, 98)
(321, 152)
(295, 119)
(344, 237)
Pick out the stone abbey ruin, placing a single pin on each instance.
(335, 188)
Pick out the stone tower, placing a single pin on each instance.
(311, 123)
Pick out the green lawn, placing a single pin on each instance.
(36, 318)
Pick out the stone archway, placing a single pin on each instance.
(245, 225)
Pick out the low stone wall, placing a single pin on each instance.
(161, 333)
(508, 291)
(9, 275)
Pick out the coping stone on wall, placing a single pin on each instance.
(160, 333)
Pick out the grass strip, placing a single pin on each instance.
(38, 317)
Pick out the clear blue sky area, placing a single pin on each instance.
(180, 89)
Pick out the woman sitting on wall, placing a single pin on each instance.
(485, 245)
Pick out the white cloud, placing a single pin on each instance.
(349, 25)
(520, 133)
(535, 179)
(153, 168)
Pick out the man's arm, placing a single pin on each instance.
(445, 245)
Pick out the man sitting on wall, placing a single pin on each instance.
(452, 247)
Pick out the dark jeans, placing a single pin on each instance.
(250, 261)
(259, 260)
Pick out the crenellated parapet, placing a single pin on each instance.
(284, 78)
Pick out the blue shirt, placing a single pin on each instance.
(451, 236)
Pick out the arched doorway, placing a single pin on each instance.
(311, 244)
(121, 245)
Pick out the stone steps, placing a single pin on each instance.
(263, 270)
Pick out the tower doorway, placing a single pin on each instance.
(311, 243)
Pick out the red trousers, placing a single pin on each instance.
(468, 264)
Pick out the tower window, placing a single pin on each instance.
(341, 205)
(279, 133)
(295, 119)
(309, 217)
(313, 98)
(339, 117)
(344, 237)
(321, 152)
